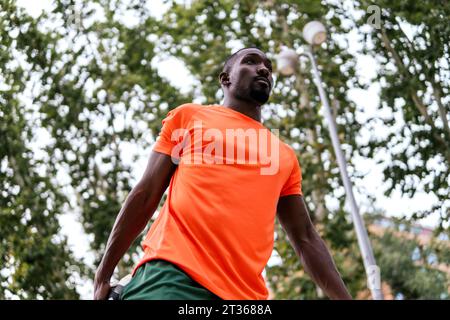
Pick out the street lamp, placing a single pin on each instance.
(314, 33)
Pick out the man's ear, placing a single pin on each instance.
(224, 79)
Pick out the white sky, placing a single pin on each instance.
(175, 71)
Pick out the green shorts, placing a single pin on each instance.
(162, 280)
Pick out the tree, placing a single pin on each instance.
(411, 47)
(93, 92)
(104, 99)
(34, 257)
(412, 268)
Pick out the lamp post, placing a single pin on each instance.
(314, 33)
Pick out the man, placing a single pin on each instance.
(214, 234)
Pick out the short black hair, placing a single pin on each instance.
(230, 60)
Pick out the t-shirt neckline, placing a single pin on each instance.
(239, 114)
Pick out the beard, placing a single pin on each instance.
(260, 95)
(254, 93)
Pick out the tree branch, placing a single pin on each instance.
(417, 101)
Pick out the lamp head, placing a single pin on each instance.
(287, 61)
(314, 33)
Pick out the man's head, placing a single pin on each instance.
(247, 75)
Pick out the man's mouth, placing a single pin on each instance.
(263, 79)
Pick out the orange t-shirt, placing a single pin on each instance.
(217, 223)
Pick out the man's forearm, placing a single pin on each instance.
(319, 264)
(131, 220)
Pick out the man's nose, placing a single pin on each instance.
(263, 71)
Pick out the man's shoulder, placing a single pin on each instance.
(187, 107)
(182, 114)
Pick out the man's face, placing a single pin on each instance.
(251, 76)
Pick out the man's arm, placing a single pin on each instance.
(310, 248)
(137, 210)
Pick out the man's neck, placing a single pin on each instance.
(250, 109)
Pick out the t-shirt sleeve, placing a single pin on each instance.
(173, 131)
(293, 184)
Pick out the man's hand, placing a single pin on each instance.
(101, 289)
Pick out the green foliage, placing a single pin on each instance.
(412, 50)
(413, 269)
(34, 258)
(90, 83)
(406, 278)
